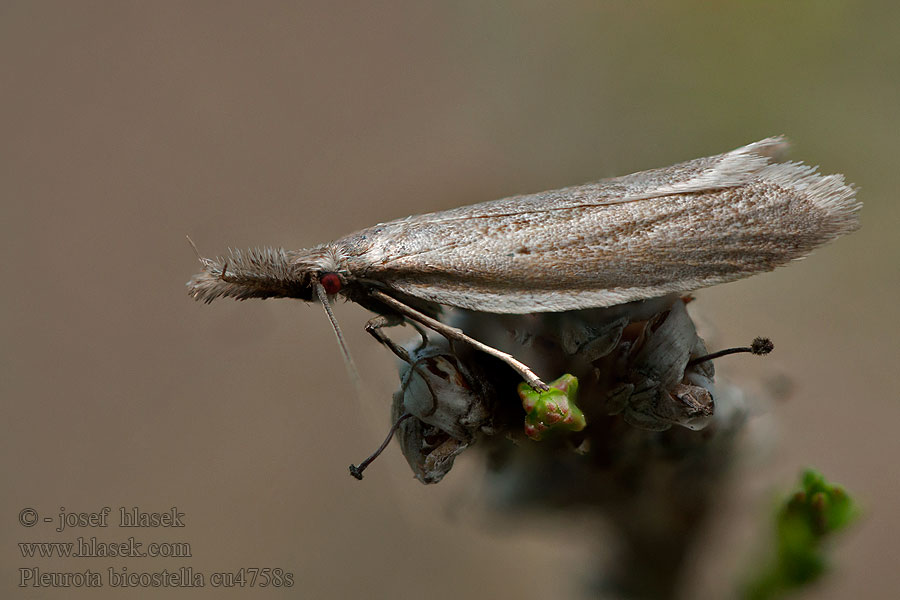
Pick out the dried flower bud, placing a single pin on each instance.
(450, 406)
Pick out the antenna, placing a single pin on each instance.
(348, 360)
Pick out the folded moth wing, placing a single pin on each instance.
(675, 229)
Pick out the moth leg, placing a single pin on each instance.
(452, 333)
(382, 321)
(422, 332)
(374, 328)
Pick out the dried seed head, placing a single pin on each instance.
(761, 346)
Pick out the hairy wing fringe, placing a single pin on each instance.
(827, 193)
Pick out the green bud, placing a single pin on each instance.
(553, 410)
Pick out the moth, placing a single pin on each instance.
(676, 229)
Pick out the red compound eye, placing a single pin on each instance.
(331, 282)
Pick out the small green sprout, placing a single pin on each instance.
(807, 518)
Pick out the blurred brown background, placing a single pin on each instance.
(126, 125)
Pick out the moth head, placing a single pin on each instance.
(275, 273)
